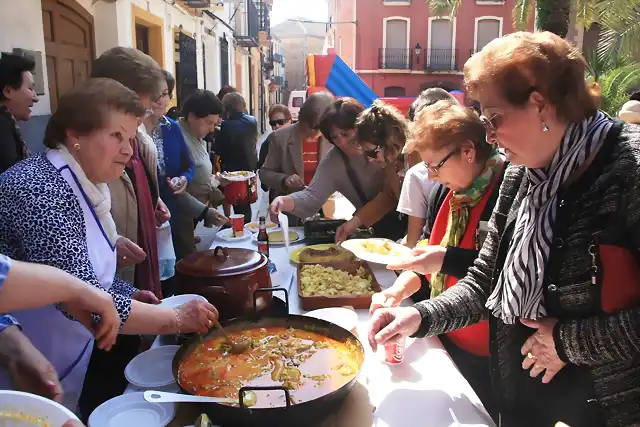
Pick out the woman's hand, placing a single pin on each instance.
(423, 260)
(146, 297)
(93, 300)
(294, 183)
(128, 252)
(223, 181)
(178, 184)
(347, 229)
(387, 325)
(162, 213)
(196, 316)
(213, 217)
(28, 369)
(540, 350)
(386, 299)
(276, 208)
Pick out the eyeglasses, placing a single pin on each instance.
(280, 122)
(372, 154)
(492, 123)
(436, 168)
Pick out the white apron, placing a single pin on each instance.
(66, 343)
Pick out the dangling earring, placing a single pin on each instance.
(76, 146)
(545, 128)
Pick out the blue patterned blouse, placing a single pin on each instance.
(41, 221)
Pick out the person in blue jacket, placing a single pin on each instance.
(175, 173)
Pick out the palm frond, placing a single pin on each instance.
(444, 7)
(615, 86)
(586, 11)
(620, 20)
(522, 13)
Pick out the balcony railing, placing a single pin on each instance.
(250, 39)
(441, 60)
(395, 59)
(278, 58)
(278, 80)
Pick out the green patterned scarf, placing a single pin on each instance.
(460, 205)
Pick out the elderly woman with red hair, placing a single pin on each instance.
(557, 276)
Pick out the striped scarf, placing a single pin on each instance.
(519, 291)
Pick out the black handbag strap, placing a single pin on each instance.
(353, 178)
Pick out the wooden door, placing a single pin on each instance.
(69, 45)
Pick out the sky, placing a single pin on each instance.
(315, 10)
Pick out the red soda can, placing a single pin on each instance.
(394, 353)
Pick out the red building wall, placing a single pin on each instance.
(370, 15)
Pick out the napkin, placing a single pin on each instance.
(284, 223)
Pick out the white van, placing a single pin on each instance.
(296, 99)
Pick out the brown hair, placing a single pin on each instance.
(384, 126)
(279, 108)
(449, 124)
(85, 107)
(520, 63)
(225, 90)
(131, 67)
(342, 113)
(313, 109)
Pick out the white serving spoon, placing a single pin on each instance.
(153, 396)
(284, 223)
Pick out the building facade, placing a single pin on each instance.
(299, 38)
(275, 65)
(399, 48)
(200, 49)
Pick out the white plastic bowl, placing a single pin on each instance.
(34, 406)
(178, 300)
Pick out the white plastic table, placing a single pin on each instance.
(426, 390)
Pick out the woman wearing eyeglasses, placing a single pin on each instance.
(279, 117)
(451, 141)
(380, 132)
(558, 273)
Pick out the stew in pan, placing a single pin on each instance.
(307, 363)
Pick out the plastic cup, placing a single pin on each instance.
(237, 223)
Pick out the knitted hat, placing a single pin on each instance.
(630, 112)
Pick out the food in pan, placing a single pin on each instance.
(379, 247)
(316, 280)
(329, 254)
(308, 364)
(278, 236)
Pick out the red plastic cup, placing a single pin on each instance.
(394, 353)
(237, 223)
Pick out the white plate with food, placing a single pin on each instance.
(276, 237)
(341, 316)
(254, 226)
(227, 235)
(132, 409)
(378, 251)
(18, 409)
(238, 176)
(152, 368)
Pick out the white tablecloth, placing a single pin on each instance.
(426, 390)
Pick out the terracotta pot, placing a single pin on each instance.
(227, 278)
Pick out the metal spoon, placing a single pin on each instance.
(153, 396)
(236, 347)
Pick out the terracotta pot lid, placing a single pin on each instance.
(221, 262)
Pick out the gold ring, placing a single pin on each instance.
(530, 355)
